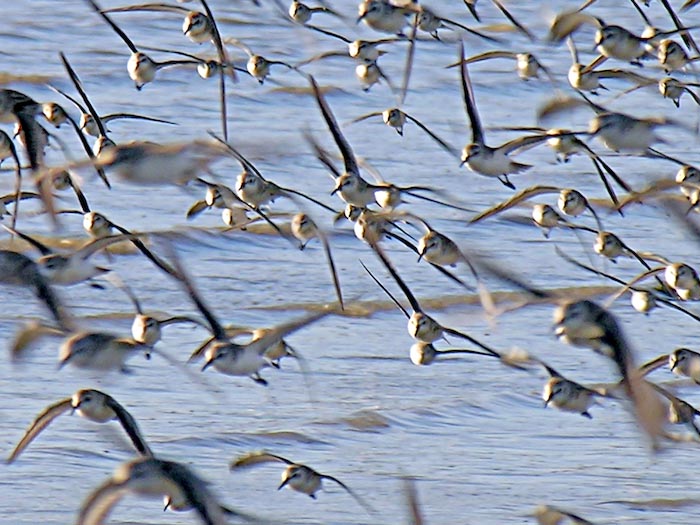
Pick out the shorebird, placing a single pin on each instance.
(99, 351)
(546, 218)
(431, 23)
(673, 89)
(69, 268)
(395, 117)
(87, 124)
(586, 79)
(586, 324)
(426, 330)
(617, 131)
(643, 300)
(255, 190)
(527, 66)
(349, 186)
(362, 50)
(383, 16)
(682, 361)
(301, 13)
(299, 477)
(305, 229)
(149, 163)
(567, 395)
(611, 41)
(571, 202)
(196, 25)
(672, 56)
(90, 404)
(19, 108)
(680, 412)
(224, 198)
(142, 68)
(102, 141)
(421, 326)
(232, 358)
(153, 477)
(19, 270)
(386, 194)
(480, 158)
(147, 329)
(681, 278)
(257, 65)
(610, 246)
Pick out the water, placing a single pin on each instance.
(472, 432)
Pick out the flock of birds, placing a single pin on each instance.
(47, 167)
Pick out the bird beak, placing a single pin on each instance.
(335, 190)
(420, 256)
(167, 504)
(360, 18)
(674, 365)
(207, 364)
(283, 484)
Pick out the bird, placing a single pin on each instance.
(571, 202)
(480, 158)
(305, 229)
(19, 270)
(431, 23)
(643, 300)
(301, 13)
(147, 329)
(395, 117)
(142, 68)
(21, 109)
(421, 326)
(680, 412)
(361, 50)
(350, 186)
(90, 404)
(56, 116)
(527, 66)
(257, 65)
(70, 268)
(232, 358)
(196, 25)
(567, 395)
(152, 477)
(617, 131)
(383, 16)
(582, 77)
(681, 361)
(299, 477)
(99, 351)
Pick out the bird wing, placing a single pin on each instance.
(360, 500)
(469, 102)
(97, 506)
(43, 420)
(340, 140)
(522, 195)
(129, 425)
(256, 458)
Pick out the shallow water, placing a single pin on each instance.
(471, 431)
